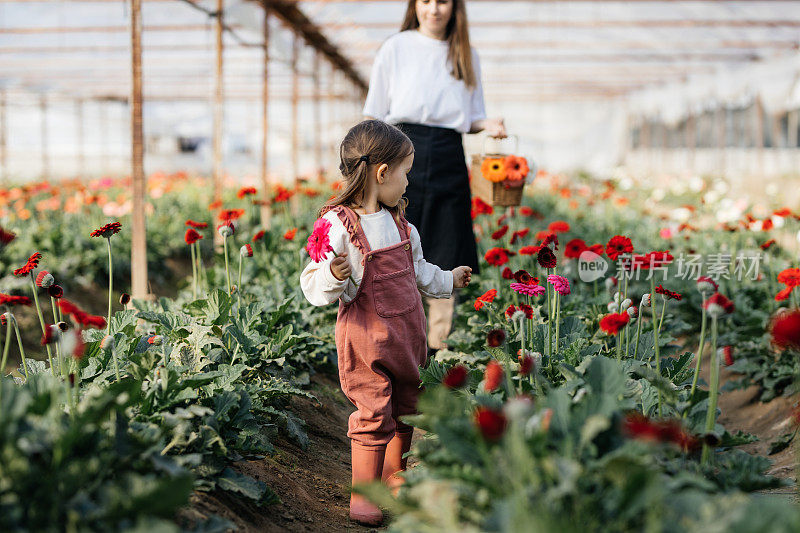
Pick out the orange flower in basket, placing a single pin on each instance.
(516, 168)
(493, 169)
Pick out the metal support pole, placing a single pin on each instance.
(294, 176)
(317, 121)
(45, 153)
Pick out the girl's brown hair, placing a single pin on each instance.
(457, 36)
(368, 143)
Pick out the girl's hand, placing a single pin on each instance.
(461, 277)
(340, 268)
(495, 127)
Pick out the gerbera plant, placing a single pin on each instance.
(106, 232)
(27, 270)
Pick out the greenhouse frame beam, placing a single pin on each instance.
(592, 24)
(291, 15)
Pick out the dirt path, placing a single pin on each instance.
(313, 484)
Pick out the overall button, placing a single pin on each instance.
(369, 258)
(407, 246)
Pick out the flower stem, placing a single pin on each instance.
(638, 332)
(5, 352)
(194, 273)
(41, 322)
(699, 351)
(619, 348)
(239, 283)
(549, 326)
(655, 338)
(663, 310)
(713, 392)
(558, 317)
(627, 338)
(110, 284)
(227, 270)
(21, 349)
(58, 350)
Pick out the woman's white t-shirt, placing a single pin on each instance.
(411, 81)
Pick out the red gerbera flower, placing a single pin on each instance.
(559, 226)
(216, 204)
(282, 195)
(55, 291)
(790, 277)
(479, 207)
(668, 294)
(614, 322)
(785, 330)
(9, 299)
(192, 236)
(246, 191)
(655, 259)
(289, 235)
(491, 423)
(497, 256)
(495, 338)
(727, 355)
(529, 250)
(456, 377)
(550, 237)
(80, 316)
(493, 375)
(525, 364)
(487, 297)
(717, 304)
(546, 258)
(783, 294)
(507, 273)
(258, 236)
(767, 245)
(618, 244)
(500, 233)
(574, 248)
(108, 230)
(519, 234)
(6, 237)
(226, 215)
(196, 225)
(44, 279)
(597, 249)
(31, 264)
(526, 211)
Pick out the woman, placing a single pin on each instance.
(426, 80)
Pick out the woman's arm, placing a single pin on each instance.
(495, 127)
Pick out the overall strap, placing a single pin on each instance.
(351, 223)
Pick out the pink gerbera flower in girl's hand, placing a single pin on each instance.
(319, 243)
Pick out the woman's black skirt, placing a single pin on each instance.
(439, 197)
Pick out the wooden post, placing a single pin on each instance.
(759, 133)
(4, 173)
(139, 285)
(81, 155)
(103, 128)
(776, 131)
(722, 137)
(45, 155)
(266, 194)
(216, 169)
(317, 121)
(294, 202)
(791, 134)
(691, 141)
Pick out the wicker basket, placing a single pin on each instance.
(490, 192)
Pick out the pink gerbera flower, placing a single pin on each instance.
(319, 242)
(530, 290)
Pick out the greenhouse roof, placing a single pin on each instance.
(530, 50)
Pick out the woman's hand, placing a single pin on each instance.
(461, 277)
(340, 268)
(495, 127)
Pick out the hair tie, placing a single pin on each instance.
(364, 158)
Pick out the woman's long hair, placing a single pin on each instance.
(457, 36)
(380, 143)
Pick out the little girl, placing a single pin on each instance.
(377, 272)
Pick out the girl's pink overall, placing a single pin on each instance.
(380, 337)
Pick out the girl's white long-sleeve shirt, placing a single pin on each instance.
(321, 287)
